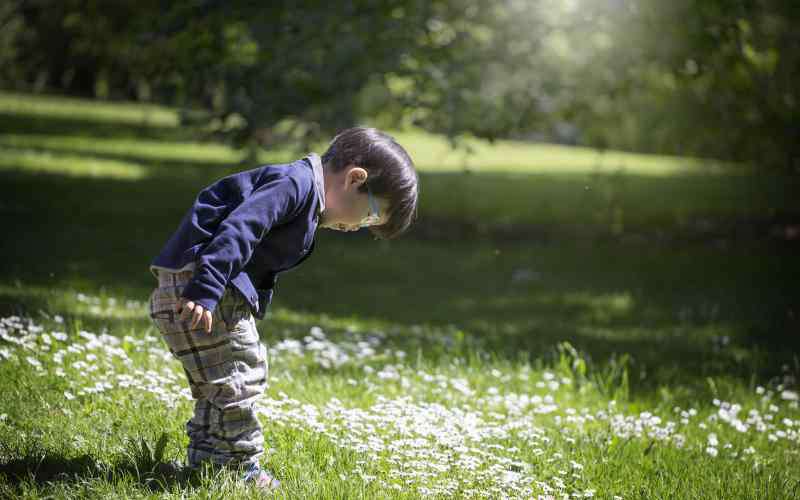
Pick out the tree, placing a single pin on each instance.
(713, 78)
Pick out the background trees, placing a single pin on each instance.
(710, 78)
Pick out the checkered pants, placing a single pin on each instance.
(227, 371)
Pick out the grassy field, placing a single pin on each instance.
(587, 353)
(557, 190)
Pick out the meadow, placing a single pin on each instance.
(562, 323)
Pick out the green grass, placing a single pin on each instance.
(435, 154)
(431, 153)
(69, 164)
(56, 107)
(539, 189)
(494, 365)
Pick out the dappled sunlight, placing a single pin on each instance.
(575, 310)
(538, 206)
(431, 153)
(69, 165)
(72, 108)
(435, 154)
(141, 149)
(279, 317)
(594, 306)
(72, 302)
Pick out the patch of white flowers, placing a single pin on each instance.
(109, 306)
(93, 364)
(328, 354)
(437, 434)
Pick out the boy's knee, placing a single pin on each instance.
(224, 397)
(233, 395)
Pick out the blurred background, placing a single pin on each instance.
(715, 78)
(623, 175)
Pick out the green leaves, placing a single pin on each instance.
(144, 458)
(609, 379)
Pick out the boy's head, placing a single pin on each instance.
(369, 181)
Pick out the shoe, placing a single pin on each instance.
(172, 470)
(261, 478)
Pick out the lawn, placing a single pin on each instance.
(563, 323)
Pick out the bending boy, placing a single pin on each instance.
(217, 273)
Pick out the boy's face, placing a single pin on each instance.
(347, 209)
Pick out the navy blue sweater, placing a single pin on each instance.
(244, 230)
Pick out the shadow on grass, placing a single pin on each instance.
(48, 468)
(141, 460)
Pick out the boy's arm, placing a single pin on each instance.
(237, 235)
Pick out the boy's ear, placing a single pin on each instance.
(356, 175)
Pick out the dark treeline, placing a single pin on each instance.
(714, 78)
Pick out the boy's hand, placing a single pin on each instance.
(197, 312)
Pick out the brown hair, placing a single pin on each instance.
(391, 173)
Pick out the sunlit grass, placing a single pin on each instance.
(507, 183)
(140, 149)
(430, 153)
(69, 164)
(71, 108)
(143, 149)
(435, 154)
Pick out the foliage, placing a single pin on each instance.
(645, 76)
(717, 78)
(252, 66)
(145, 458)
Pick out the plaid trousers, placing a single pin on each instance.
(227, 371)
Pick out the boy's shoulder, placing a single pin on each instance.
(301, 179)
(300, 171)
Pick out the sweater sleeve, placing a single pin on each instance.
(233, 243)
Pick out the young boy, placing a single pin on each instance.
(217, 272)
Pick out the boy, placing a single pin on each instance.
(217, 273)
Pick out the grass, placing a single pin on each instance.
(542, 189)
(442, 366)
(57, 107)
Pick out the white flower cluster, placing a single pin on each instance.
(760, 422)
(433, 434)
(18, 331)
(428, 447)
(93, 364)
(644, 425)
(331, 355)
(108, 306)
